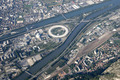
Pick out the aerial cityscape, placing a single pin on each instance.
(59, 40)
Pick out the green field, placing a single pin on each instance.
(58, 30)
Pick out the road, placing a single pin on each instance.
(54, 54)
(90, 47)
(93, 45)
(48, 66)
(22, 30)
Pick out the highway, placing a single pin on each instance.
(88, 48)
(54, 54)
(29, 27)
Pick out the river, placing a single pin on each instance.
(70, 38)
(38, 24)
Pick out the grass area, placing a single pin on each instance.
(109, 75)
(59, 31)
(66, 70)
(19, 19)
(66, 1)
(48, 1)
(27, 6)
(117, 42)
(59, 63)
(51, 3)
(49, 45)
(72, 66)
(116, 35)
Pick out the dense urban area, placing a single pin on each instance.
(92, 51)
